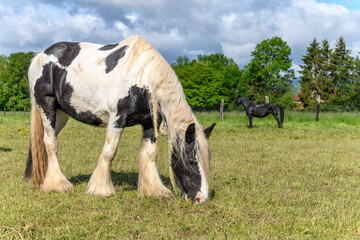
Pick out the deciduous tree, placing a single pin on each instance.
(208, 79)
(14, 90)
(269, 72)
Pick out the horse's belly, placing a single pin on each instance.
(260, 112)
(87, 104)
(86, 112)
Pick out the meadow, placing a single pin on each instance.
(299, 182)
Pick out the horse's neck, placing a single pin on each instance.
(165, 87)
(246, 103)
(176, 112)
(173, 104)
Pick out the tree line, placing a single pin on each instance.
(14, 87)
(210, 78)
(330, 72)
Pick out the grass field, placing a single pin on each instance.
(300, 182)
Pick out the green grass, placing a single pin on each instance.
(299, 182)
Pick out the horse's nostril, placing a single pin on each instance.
(199, 198)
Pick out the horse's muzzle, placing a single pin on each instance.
(199, 199)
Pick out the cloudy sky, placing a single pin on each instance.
(180, 27)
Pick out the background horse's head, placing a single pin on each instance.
(238, 101)
(188, 169)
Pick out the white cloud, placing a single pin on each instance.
(132, 17)
(228, 20)
(177, 27)
(239, 52)
(193, 53)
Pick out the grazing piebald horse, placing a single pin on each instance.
(114, 86)
(255, 110)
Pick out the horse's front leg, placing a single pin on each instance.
(100, 183)
(149, 181)
(250, 122)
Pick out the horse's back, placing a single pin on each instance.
(261, 110)
(87, 77)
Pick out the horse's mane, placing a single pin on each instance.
(179, 116)
(165, 87)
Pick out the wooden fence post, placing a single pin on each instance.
(24, 111)
(14, 111)
(267, 99)
(317, 107)
(222, 110)
(4, 111)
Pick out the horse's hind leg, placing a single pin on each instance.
(149, 181)
(100, 183)
(61, 120)
(277, 119)
(54, 179)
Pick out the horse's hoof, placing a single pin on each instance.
(100, 188)
(61, 185)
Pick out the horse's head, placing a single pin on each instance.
(238, 101)
(190, 173)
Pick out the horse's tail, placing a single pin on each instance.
(281, 114)
(37, 160)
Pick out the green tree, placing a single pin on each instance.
(227, 69)
(325, 79)
(269, 72)
(351, 98)
(208, 80)
(310, 74)
(341, 65)
(332, 73)
(3, 62)
(14, 91)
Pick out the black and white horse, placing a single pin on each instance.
(255, 110)
(114, 86)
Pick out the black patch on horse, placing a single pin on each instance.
(44, 90)
(52, 92)
(134, 109)
(86, 117)
(149, 133)
(112, 60)
(66, 52)
(108, 47)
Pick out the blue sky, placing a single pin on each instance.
(178, 28)
(350, 4)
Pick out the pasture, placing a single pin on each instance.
(299, 182)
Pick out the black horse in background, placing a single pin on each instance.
(255, 110)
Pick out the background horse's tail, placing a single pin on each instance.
(36, 164)
(281, 114)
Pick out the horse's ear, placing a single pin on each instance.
(208, 130)
(190, 133)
